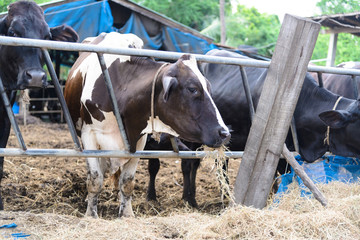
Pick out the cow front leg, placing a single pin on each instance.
(94, 183)
(4, 136)
(189, 168)
(126, 183)
(153, 168)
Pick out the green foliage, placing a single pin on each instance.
(338, 6)
(248, 27)
(196, 14)
(347, 44)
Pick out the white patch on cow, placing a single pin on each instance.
(159, 126)
(78, 124)
(91, 67)
(191, 63)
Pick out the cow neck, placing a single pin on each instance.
(327, 134)
(155, 135)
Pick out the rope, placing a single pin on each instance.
(155, 135)
(327, 135)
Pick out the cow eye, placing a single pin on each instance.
(192, 90)
(11, 33)
(48, 36)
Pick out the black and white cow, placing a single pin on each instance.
(21, 67)
(182, 107)
(313, 114)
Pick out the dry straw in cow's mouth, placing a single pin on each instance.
(218, 156)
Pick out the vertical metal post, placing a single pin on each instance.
(11, 116)
(320, 80)
(247, 92)
(294, 135)
(113, 99)
(59, 93)
(356, 91)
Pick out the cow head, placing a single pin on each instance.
(186, 91)
(21, 67)
(344, 129)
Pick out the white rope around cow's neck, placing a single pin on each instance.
(327, 135)
(155, 135)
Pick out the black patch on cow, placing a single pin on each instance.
(94, 110)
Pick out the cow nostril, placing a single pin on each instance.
(35, 77)
(224, 133)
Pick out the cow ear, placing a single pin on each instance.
(64, 33)
(336, 119)
(3, 28)
(168, 82)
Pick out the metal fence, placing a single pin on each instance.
(100, 50)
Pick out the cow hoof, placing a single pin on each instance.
(126, 215)
(191, 202)
(92, 214)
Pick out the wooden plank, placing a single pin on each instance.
(277, 103)
(299, 170)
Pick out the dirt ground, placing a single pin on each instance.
(58, 185)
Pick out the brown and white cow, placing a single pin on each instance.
(182, 107)
(22, 67)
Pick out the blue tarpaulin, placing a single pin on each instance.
(89, 18)
(332, 168)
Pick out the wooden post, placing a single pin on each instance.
(276, 106)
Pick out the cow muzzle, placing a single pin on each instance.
(33, 78)
(222, 137)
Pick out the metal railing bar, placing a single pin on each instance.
(67, 46)
(247, 92)
(107, 153)
(356, 90)
(320, 80)
(60, 95)
(43, 99)
(11, 116)
(48, 111)
(115, 106)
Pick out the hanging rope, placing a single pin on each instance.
(155, 135)
(327, 135)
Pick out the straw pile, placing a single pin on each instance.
(45, 198)
(294, 218)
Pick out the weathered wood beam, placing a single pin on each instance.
(299, 170)
(277, 103)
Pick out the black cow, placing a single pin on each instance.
(312, 115)
(342, 84)
(21, 67)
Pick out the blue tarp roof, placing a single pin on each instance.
(89, 18)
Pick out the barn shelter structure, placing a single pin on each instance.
(335, 24)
